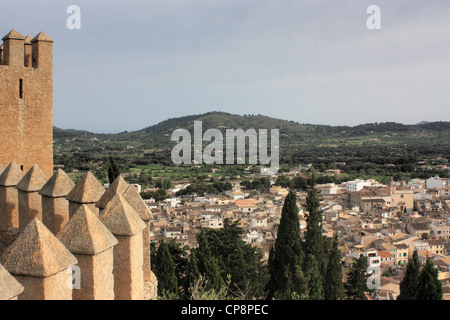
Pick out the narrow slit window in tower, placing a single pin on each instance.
(21, 89)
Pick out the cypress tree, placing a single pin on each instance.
(286, 256)
(429, 286)
(333, 284)
(113, 169)
(165, 272)
(207, 264)
(410, 281)
(193, 273)
(313, 279)
(313, 235)
(356, 285)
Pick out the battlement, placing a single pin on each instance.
(28, 52)
(46, 245)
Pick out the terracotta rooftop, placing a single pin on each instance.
(385, 254)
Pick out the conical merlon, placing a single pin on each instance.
(118, 186)
(120, 218)
(11, 175)
(33, 180)
(59, 185)
(87, 190)
(37, 252)
(86, 234)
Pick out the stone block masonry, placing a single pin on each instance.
(26, 101)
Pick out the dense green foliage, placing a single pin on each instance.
(333, 284)
(429, 287)
(418, 284)
(222, 262)
(356, 285)
(286, 275)
(113, 169)
(376, 150)
(313, 236)
(165, 272)
(410, 281)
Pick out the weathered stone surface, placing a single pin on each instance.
(59, 185)
(137, 203)
(55, 207)
(151, 288)
(97, 279)
(87, 190)
(26, 92)
(30, 207)
(92, 244)
(86, 234)
(126, 225)
(7, 238)
(37, 253)
(120, 218)
(2, 168)
(54, 287)
(42, 36)
(9, 208)
(32, 181)
(11, 175)
(13, 34)
(9, 198)
(118, 186)
(128, 274)
(39, 261)
(10, 288)
(30, 204)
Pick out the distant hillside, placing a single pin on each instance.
(371, 150)
(288, 129)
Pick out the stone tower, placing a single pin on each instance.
(26, 101)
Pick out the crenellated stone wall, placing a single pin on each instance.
(96, 249)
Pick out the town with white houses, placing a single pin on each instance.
(387, 223)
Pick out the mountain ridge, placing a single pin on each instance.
(224, 120)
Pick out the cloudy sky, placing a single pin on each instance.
(136, 63)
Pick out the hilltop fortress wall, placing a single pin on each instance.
(59, 240)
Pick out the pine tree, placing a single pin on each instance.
(285, 262)
(165, 272)
(356, 285)
(333, 284)
(410, 281)
(313, 235)
(429, 286)
(113, 169)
